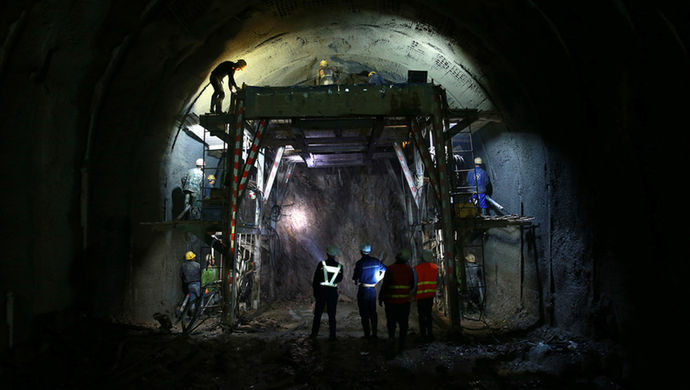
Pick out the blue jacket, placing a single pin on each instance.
(376, 80)
(481, 180)
(368, 270)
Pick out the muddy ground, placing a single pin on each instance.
(270, 350)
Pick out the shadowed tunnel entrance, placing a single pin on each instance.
(583, 109)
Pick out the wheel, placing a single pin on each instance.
(189, 315)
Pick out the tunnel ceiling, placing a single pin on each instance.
(285, 49)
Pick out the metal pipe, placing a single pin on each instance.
(274, 172)
(495, 204)
(406, 171)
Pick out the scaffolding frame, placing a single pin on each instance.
(340, 126)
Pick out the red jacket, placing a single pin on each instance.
(398, 283)
(427, 276)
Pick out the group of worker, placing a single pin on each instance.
(325, 75)
(194, 276)
(400, 285)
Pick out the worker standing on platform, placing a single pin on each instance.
(326, 75)
(325, 285)
(375, 79)
(427, 282)
(396, 290)
(191, 186)
(478, 177)
(226, 68)
(211, 183)
(368, 272)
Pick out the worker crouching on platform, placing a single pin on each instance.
(325, 284)
(427, 282)
(368, 272)
(225, 68)
(396, 291)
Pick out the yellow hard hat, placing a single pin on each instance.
(478, 160)
(211, 177)
(324, 63)
(470, 258)
(189, 255)
(371, 73)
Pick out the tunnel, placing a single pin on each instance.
(578, 123)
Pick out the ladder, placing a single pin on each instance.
(472, 246)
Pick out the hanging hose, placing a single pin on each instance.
(186, 114)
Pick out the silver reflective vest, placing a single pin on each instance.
(327, 269)
(326, 76)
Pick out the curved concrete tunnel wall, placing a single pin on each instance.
(108, 82)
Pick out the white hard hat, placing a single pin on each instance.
(199, 161)
(365, 248)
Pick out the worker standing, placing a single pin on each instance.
(210, 274)
(326, 75)
(474, 284)
(368, 272)
(396, 291)
(225, 68)
(478, 177)
(211, 183)
(191, 276)
(191, 186)
(427, 282)
(325, 284)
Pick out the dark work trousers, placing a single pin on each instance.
(218, 95)
(366, 301)
(424, 311)
(397, 314)
(326, 296)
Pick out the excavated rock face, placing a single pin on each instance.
(341, 207)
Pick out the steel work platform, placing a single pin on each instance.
(334, 125)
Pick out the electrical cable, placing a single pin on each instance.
(186, 114)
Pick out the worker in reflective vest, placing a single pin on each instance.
(368, 272)
(396, 291)
(325, 284)
(427, 281)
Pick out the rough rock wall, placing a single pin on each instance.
(339, 206)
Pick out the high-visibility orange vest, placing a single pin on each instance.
(400, 284)
(426, 280)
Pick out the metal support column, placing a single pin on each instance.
(446, 216)
(256, 286)
(230, 278)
